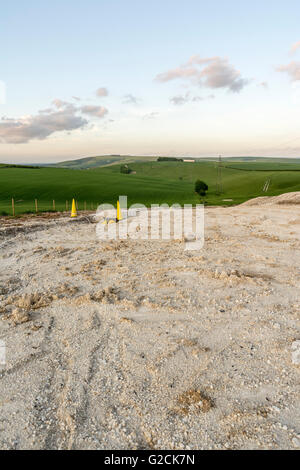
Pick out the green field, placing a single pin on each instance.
(153, 182)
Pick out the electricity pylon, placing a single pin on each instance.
(219, 176)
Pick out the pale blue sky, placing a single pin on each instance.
(232, 99)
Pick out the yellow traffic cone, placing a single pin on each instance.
(119, 213)
(74, 210)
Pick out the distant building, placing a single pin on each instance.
(189, 161)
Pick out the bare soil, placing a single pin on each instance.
(142, 345)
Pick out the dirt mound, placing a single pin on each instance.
(287, 198)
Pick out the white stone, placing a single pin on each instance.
(296, 442)
(296, 352)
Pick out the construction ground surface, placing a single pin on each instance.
(142, 345)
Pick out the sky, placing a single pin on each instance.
(183, 78)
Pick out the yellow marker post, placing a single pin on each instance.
(119, 212)
(74, 210)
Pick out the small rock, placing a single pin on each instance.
(296, 442)
(19, 316)
(296, 352)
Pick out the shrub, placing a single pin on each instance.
(201, 188)
(125, 169)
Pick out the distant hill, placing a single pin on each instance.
(96, 162)
(87, 163)
(252, 159)
(108, 160)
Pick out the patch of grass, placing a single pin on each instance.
(194, 401)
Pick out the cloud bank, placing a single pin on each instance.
(211, 72)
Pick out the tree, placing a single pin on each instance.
(125, 169)
(201, 188)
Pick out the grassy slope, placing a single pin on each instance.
(95, 162)
(238, 185)
(264, 166)
(153, 183)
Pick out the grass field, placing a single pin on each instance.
(153, 182)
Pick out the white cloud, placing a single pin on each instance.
(211, 72)
(45, 111)
(130, 99)
(152, 115)
(66, 117)
(180, 99)
(295, 47)
(292, 69)
(264, 85)
(41, 126)
(60, 104)
(183, 99)
(102, 92)
(201, 98)
(97, 111)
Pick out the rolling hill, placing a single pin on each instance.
(107, 160)
(95, 162)
(150, 182)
